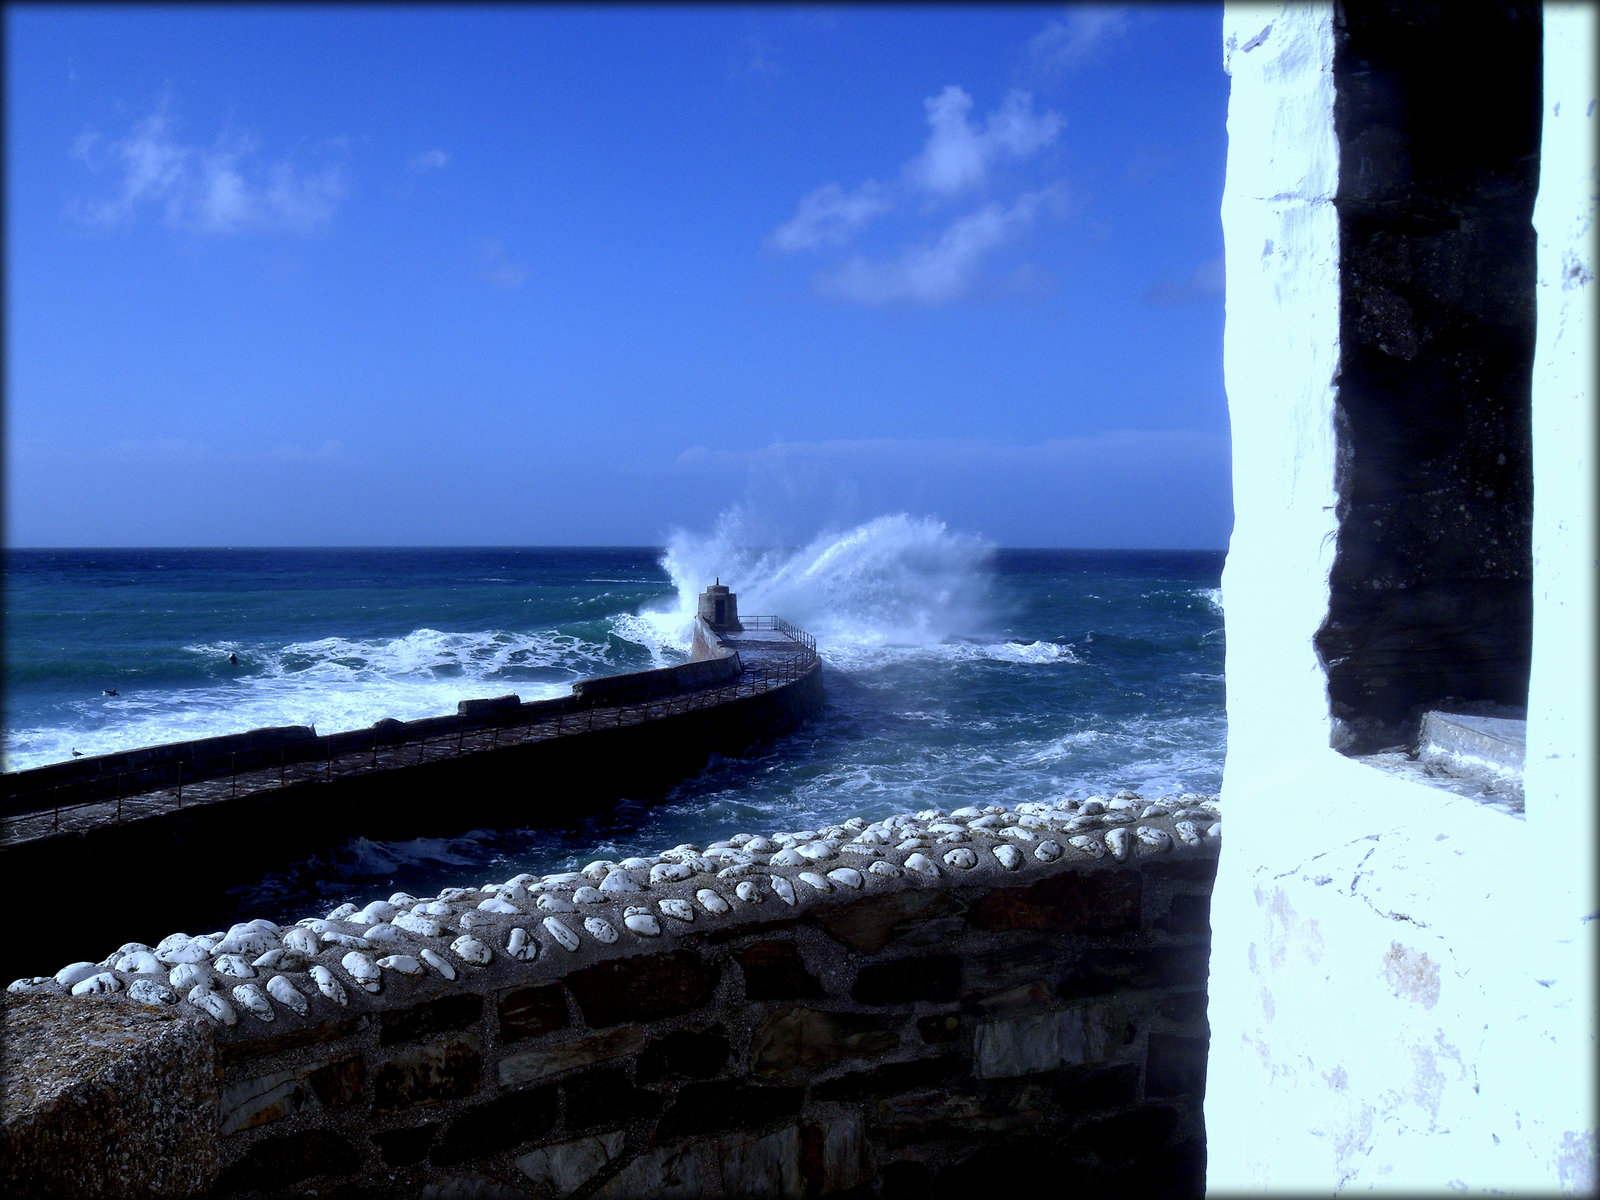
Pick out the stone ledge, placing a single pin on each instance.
(755, 984)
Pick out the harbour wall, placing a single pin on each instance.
(180, 861)
(924, 1005)
(128, 772)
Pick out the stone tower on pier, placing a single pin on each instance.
(719, 608)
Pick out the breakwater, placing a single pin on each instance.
(930, 1002)
(227, 807)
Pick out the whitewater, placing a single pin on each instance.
(956, 672)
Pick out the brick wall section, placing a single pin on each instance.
(918, 1039)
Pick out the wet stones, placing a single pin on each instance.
(599, 912)
(1153, 840)
(235, 966)
(213, 1005)
(470, 950)
(361, 968)
(1120, 842)
(150, 991)
(439, 963)
(400, 964)
(97, 984)
(286, 994)
(711, 901)
(520, 944)
(562, 933)
(74, 973)
(328, 985)
(669, 872)
(253, 1000)
(186, 976)
(431, 926)
(642, 923)
(301, 941)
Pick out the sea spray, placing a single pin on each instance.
(954, 674)
(897, 581)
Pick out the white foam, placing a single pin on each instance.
(896, 583)
(333, 684)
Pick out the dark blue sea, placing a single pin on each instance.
(956, 673)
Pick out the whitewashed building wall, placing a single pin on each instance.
(1402, 986)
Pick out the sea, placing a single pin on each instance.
(956, 672)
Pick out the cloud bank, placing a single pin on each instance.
(225, 188)
(947, 253)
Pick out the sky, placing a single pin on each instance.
(535, 275)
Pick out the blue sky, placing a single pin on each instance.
(536, 275)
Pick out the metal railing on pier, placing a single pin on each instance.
(763, 621)
(333, 757)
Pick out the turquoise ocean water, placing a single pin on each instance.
(956, 673)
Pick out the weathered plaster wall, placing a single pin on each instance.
(1401, 983)
(923, 1004)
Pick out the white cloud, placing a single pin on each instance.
(940, 272)
(428, 160)
(1076, 37)
(958, 154)
(831, 216)
(957, 158)
(219, 190)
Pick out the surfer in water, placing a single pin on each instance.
(233, 658)
(111, 691)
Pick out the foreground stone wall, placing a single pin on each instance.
(922, 1002)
